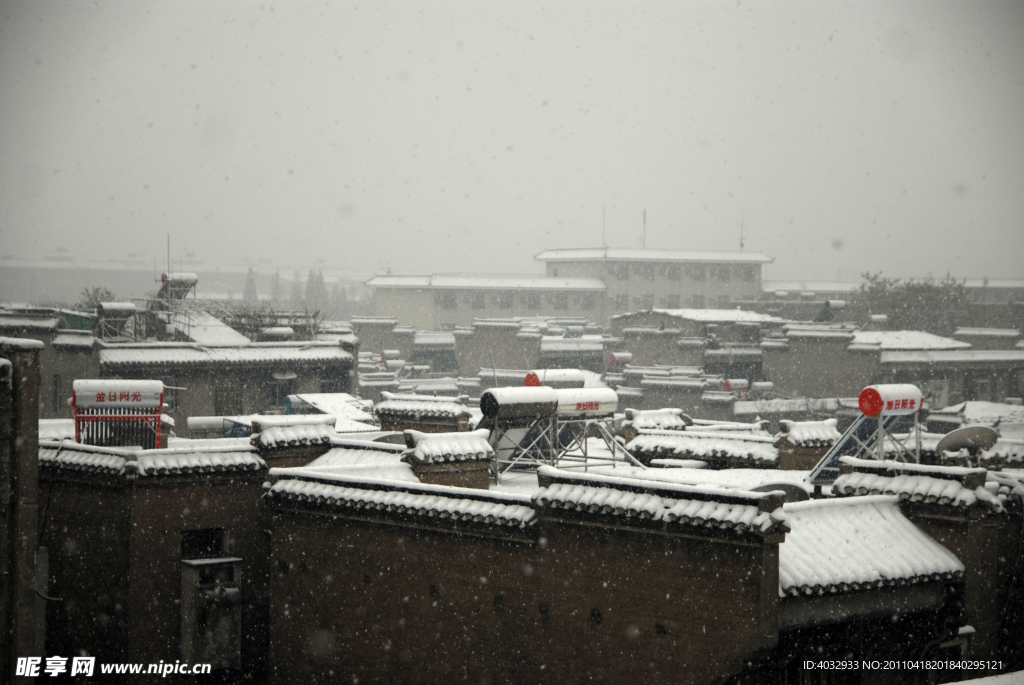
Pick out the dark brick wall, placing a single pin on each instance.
(987, 546)
(115, 556)
(390, 603)
(161, 509)
(85, 526)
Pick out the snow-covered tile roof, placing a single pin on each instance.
(962, 357)
(419, 406)
(56, 429)
(360, 459)
(434, 339)
(720, 315)
(71, 339)
(206, 329)
(645, 500)
(70, 455)
(170, 461)
(383, 497)
(808, 433)
(339, 404)
(981, 413)
(435, 448)
(705, 445)
(943, 485)
(907, 340)
(857, 544)
(656, 419)
(776, 406)
(591, 344)
(644, 255)
(147, 354)
(988, 332)
(280, 437)
(680, 382)
(20, 322)
(729, 353)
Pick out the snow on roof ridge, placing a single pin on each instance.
(842, 546)
(559, 475)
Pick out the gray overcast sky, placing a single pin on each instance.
(468, 136)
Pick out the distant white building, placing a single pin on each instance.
(591, 283)
(442, 301)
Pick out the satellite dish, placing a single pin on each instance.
(970, 438)
(794, 493)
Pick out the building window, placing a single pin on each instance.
(723, 273)
(281, 386)
(672, 302)
(227, 398)
(560, 300)
(329, 387)
(674, 273)
(697, 301)
(748, 273)
(645, 272)
(697, 272)
(478, 301)
(587, 301)
(533, 300)
(449, 301)
(504, 300)
(621, 271)
(723, 301)
(621, 303)
(56, 393)
(554, 272)
(645, 302)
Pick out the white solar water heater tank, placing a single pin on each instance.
(587, 402)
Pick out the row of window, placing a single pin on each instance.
(676, 272)
(669, 302)
(505, 300)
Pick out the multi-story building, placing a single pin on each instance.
(669, 279)
(446, 300)
(591, 283)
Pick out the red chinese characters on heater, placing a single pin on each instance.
(588, 406)
(119, 396)
(892, 405)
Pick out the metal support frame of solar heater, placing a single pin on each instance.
(90, 424)
(872, 447)
(540, 451)
(586, 423)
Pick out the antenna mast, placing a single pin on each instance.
(645, 228)
(742, 217)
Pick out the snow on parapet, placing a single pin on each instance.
(857, 544)
(906, 340)
(638, 500)
(435, 448)
(419, 405)
(808, 433)
(706, 446)
(435, 504)
(143, 354)
(280, 437)
(944, 485)
(73, 456)
(657, 419)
